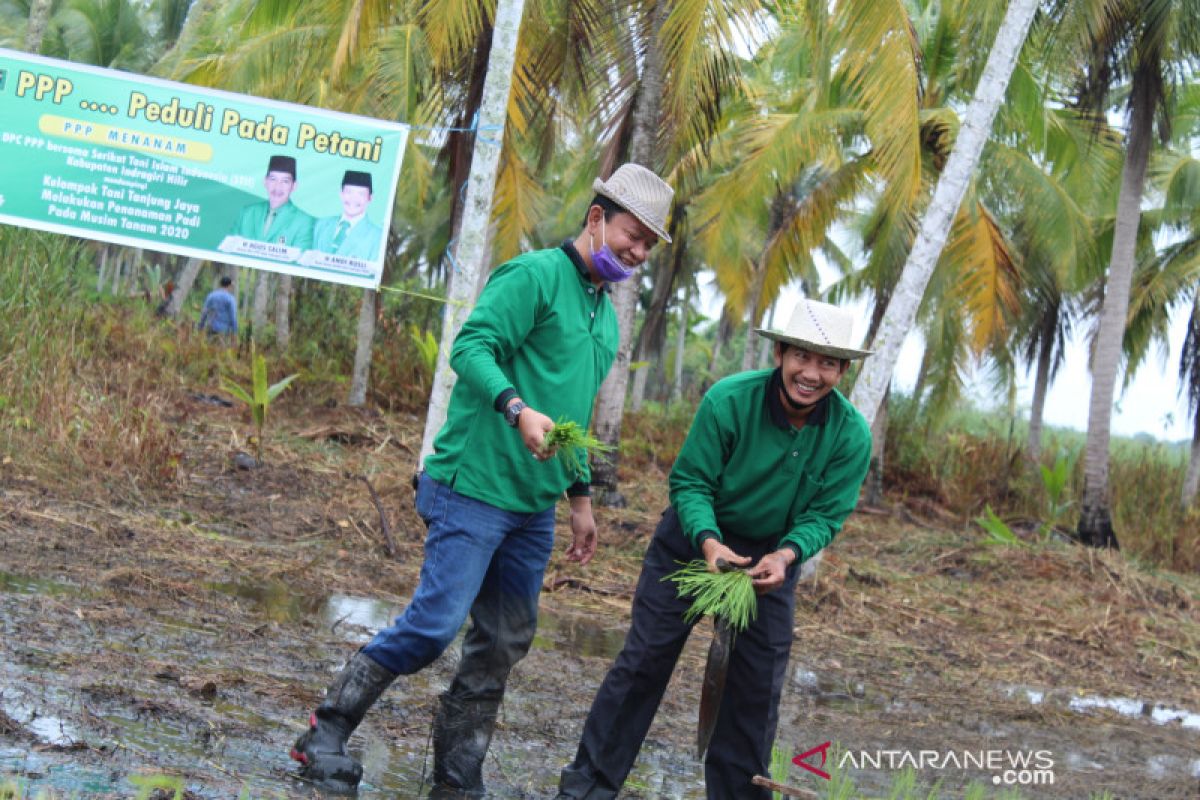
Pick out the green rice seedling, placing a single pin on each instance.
(726, 595)
(574, 444)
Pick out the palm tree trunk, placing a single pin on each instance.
(681, 345)
(35, 31)
(364, 338)
(103, 271)
(874, 483)
(753, 312)
(283, 305)
(118, 269)
(183, 286)
(472, 255)
(1191, 481)
(654, 326)
(724, 334)
(765, 345)
(1041, 385)
(262, 296)
(759, 279)
(610, 402)
(1095, 518)
(637, 394)
(947, 196)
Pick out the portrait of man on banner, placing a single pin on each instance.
(350, 234)
(277, 219)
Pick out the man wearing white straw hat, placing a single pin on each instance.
(771, 468)
(534, 350)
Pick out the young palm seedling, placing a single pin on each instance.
(260, 395)
(574, 444)
(723, 595)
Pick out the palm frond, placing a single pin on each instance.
(879, 59)
(518, 203)
(982, 259)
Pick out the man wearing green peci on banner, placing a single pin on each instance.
(769, 471)
(534, 350)
(350, 234)
(277, 219)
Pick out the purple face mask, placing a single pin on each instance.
(607, 265)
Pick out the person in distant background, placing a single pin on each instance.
(219, 315)
(277, 219)
(350, 234)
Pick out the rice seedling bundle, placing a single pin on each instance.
(727, 595)
(572, 443)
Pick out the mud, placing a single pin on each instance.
(188, 634)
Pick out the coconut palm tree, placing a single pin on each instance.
(1142, 47)
(1168, 280)
(666, 103)
(790, 170)
(938, 217)
(1189, 371)
(971, 298)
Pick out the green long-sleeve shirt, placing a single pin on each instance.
(745, 471)
(542, 328)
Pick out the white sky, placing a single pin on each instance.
(1150, 405)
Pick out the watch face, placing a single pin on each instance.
(513, 412)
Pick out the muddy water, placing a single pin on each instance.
(89, 732)
(231, 743)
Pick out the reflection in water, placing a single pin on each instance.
(1125, 706)
(577, 635)
(1130, 707)
(358, 618)
(275, 600)
(53, 731)
(361, 612)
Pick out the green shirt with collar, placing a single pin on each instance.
(289, 226)
(540, 327)
(745, 471)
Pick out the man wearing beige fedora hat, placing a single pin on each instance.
(771, 467)
(534, 350)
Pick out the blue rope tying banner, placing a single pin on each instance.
(474, 127)
(462, 192)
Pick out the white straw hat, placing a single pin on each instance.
(640, 192)
(820, 328)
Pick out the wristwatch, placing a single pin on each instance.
(513, 412)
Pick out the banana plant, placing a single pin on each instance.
(260, 395)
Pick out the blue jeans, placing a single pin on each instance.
(478, 559)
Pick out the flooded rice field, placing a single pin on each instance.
(181, 644)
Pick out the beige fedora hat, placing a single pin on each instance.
(821, 328)
(640, 192)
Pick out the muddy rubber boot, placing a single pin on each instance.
(321, 751)
(462, 731)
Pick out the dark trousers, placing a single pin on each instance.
(628, 699)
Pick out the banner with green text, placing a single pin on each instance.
(198, 172)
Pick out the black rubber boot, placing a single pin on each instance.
(321, 751)
(462, 731)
